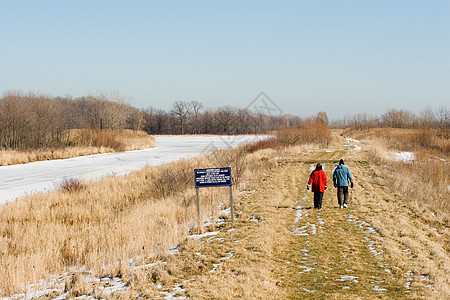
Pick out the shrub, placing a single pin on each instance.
(311, 133)
(99, 138)
(262, 144)
(70, 184)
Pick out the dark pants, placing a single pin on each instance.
(342, 195)
(318, 196)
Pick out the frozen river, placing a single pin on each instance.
(18, 180)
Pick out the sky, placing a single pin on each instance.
(341, 57)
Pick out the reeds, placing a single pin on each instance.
(94, 225)
(424, 182)
(312, 133)
(82, 142)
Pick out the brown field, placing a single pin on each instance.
(83, 142)
(384, 246)
(424, 182)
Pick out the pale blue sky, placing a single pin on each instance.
(342, 57)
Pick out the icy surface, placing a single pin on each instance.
(18, 180)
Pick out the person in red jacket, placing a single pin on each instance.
(318, 180)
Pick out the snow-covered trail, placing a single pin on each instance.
(18, 180)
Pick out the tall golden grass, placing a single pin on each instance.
(114, 219)
(82, 142)
(316, 133)
(430, 141)
(425, 182)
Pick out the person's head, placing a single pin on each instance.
(341, 162)
(318, 167)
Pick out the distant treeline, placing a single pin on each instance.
(37, 121)
(428, 118)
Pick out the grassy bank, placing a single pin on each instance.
(95, 224)
(423, 182)
(82, 142)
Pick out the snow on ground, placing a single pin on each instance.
(406, 157)
(352, 141)
(18, 180)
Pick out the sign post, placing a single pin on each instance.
(198, 208)
(213, 177)
(231, 204)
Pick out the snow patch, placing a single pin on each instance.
(424, 277)
(378, 289)
(348, 278)
(200, 236)
(409, 279)
(351, 140)
(305, 269)
(171, 295)
(406, 157)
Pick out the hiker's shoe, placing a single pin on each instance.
(341, 206)
(345, 205)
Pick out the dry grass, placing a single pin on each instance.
(414, 238)
(83, 142)
(313, 133)
(140, 216)
(261, 258)
(424, 183)
(136, 216)
(430, 141)
(70, 185)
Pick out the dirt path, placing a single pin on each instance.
(335, 253)
(280, 247)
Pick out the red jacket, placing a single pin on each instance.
(318, 179)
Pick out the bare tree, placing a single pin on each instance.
(196, 107)
(157, 121)
(180, 110)
(427, 118)
(322, 117)
(225, 116)
(398, 118)
(30, 121)
(136, 119)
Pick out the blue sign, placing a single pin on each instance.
(212, 177)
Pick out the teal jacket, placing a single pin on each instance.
(341, 175)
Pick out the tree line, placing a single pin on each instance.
(428, 118)
(36, 121)
(193, 118)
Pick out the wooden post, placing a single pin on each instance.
(198, 209)
(231, 204)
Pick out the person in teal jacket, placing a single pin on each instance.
(341, 178)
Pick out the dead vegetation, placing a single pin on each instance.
(312, 133)
(82, 142)
(124, 227)
(424, 183)
(94, 224)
